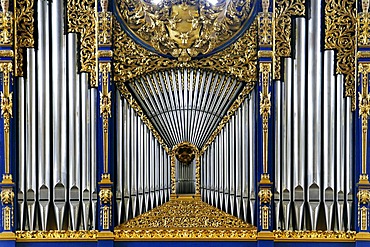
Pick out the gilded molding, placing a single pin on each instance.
(26, 236)
(81, 15)
(284, 11)
(363, 196)
(314, 236)
(7, 199)
(173, 173)
(340, 35)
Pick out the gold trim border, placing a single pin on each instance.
(198, 234)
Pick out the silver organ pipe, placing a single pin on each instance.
(314, 113)
(229, 165)
(93, 166)
(348, 162)
(74, 120)
(287, 132)
(121, 125)
(299, 122)
(278, 151)
(22, 153)
(31, 164)
(329, 103)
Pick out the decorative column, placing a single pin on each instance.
(361, 128)
(105, 123)
(264, 124)
(7, 131)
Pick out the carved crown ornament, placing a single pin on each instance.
(184, 29)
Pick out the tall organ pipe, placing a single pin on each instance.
(278, 151)
(329, 107)
(299, 121)
(22, 153)
(74, 131)
(31, 165)
(86, 124)
(314, 111)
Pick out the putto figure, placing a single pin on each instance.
(5, 6)
(104, 5)
(265, 6)
(365, 6)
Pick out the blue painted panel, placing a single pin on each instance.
(186, 244)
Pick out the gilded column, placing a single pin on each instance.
(361, 129)
(6, 122)
(265, 26)
(105, 123)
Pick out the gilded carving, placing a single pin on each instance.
(81, 16)
(265, 195)
(185, 214)
(6, 31)
(173, 174)
(363, 196)
(131, 60)
(364, 110)
(284, 11)
(340, 30)
(312, 235)
(57, 235)
(24, 21)
(265, 108)
(6, 105)
(7, 196)
(105, 196)
(184, 29)
(105, 28)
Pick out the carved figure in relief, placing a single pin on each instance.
(104, 5)
(265, 6)
(5, 6)
(365, 6)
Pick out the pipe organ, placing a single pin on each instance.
(238, 121)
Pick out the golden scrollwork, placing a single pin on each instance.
(105, 28)
(7, 199)
(340, 30)
(185, 152)
(265, 29)
(81, 15)
(265, 195)
(55, 235)
(105, 195)
(24, 22)
(105, 107)
(364, 109)
(173, 173)
(6, 30)
(265, 108)
(363, 196)
(7, 196)
(181, 214)
(131, 60)
(314, 235)
(6, 105)
(184, 29)
(284, 11)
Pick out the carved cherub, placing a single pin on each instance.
(104, 5)
(265, 6)
(5, 6)
(365, 6)
(6, 105)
